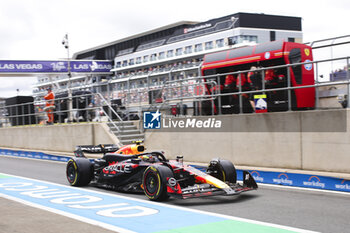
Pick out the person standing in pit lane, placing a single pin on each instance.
(50, 106)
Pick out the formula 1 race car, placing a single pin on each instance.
(130, 169)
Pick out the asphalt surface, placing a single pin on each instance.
(305, 209)
(17, 217)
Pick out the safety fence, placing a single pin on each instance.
(202, 95)
(207, 95)
(86, 106)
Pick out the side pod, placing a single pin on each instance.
(248, 180)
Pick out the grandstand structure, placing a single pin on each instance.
(144, 62)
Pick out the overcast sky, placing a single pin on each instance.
(34, 29)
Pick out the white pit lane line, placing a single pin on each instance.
(275, 186)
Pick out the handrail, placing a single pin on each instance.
(108, 117)
(279, 66)
(328, 39)
(109, 106)
(186, 96)
(260, 69)
(30, 109)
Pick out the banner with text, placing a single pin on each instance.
(78, 66)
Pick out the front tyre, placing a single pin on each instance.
(154, 182)
(79, 171)
(223, 170)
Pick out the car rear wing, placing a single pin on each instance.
(102, 148)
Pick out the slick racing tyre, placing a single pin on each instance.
(154, 182)
(223, 170)
(79, 171)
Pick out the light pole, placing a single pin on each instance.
(65, 43)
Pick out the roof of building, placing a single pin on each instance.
(249, 20)
(163, 28)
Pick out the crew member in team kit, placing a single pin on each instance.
(50, 105)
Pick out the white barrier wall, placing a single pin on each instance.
(310, 140)
(56, 137)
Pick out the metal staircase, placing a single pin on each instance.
(126, 131)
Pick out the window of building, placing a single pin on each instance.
(162, 80)
(118, 65)
(198, 47)
(145, 58)
(141, 83)
(119, 86)
(291, 39)
(154, 81)
(125, 63)
(188, 49)
(170, 53)
(246, 38)
(178, 52)
(208, 45)
(138, 60)
(242, 38)
(153, 57)
(161, 55)
(132, 85)
(253, 39)
(219, 43)
(233, 40)
(131, 62)
(272, 35)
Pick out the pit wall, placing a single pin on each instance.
(308, 140)
(63, 138)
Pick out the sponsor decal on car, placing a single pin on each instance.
(121, 168)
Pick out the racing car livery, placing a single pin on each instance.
(130, 169)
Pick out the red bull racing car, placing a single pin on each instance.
(131, 169)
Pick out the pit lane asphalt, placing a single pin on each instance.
(309, 210)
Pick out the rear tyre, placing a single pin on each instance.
(154, 182)
(223, 170)
(79, 171)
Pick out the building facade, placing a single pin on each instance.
(144, 62)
